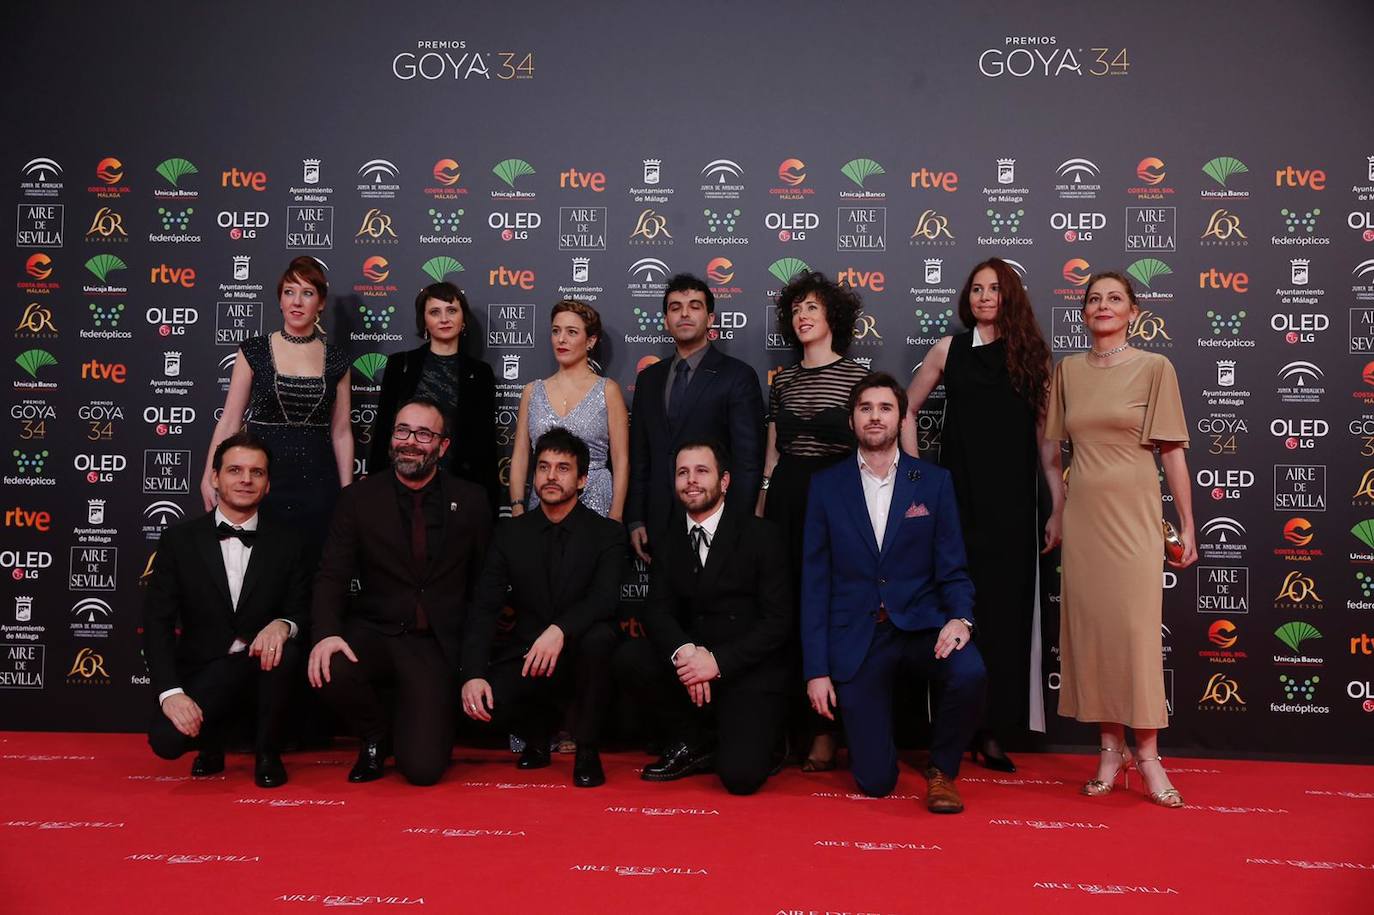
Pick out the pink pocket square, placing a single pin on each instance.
(917, 510)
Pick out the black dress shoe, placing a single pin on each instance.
(207, 762)
(535, 755)
(268, 772)
(679, 761)
(991, 751)
(368, 768)
(587, 771)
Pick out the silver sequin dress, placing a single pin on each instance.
(589, 421)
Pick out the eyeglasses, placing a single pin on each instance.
(423, 436)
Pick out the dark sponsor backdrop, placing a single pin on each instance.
(164, 162)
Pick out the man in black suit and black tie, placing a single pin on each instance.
(237, 586)
(700, 394)
(717, 616)
(415, 540)
(559, 569)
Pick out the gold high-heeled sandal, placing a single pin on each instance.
(1169, 797)
(1096, 787)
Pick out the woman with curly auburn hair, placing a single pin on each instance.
(808, 430)
(996, 377)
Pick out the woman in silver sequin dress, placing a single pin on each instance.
(587, 405)
(292, 390)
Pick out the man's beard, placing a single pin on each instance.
(413, 466)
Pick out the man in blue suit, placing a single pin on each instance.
(885, 590)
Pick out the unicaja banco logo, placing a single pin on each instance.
(1295, 633)
(860, 170)
(1147, 268)
(438, 268)
(784, 268)
(1222, 168)
(34, 359)
(102, 265)
(370, 365)
(173, 170)
(508, 170)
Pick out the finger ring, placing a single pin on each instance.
(957, 640)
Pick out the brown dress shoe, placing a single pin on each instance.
(941, 795)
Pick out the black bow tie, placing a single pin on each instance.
(226, 530)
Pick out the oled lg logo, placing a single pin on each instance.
(25, 565)
(169, 420)
(514, 226)
(1078, 226)
(100, 468)
(1299, 433)
(1225, 484)
(171, 322)
(791, 226)
(242, 223)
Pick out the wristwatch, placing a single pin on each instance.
(966, 622)
(764, 485)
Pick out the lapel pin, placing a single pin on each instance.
(453, 506)
(913, 475)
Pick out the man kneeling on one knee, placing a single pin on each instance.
(717, 616)
(885, 590)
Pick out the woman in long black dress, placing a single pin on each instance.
(461, 384)
(996, 375)
(808, 430)
(291, 388)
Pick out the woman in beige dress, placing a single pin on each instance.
(1116, 405)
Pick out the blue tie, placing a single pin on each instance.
(677, 397)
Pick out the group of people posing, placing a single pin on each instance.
(805, 565)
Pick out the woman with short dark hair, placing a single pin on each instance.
(462, 385)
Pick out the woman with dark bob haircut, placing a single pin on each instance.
(461, 384)
(808, 430)
(997, 376)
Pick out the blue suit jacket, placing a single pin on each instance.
(920, 576)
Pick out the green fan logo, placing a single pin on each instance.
(784, 268)
(860, 170)
(173, 170)
(508, 170)
(1147, 268)
(1222, 168)
(34, 359)
(1295, 633)
(102, 264)
(370, 364)
(439, 268)
(1364, 532)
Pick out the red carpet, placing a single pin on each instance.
(95, 824)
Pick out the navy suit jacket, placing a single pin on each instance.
(920, 575)
(723, 405)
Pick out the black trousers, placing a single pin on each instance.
(531, 707)
(867, 703)
(223, 687)
(421, 723)
(744, 723)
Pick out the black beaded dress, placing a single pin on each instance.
(292, 413)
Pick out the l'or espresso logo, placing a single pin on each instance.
(1223, 589)
(36, 322)
(651, 229)
(931, 231)
(861, 229)
(1363, 496)
(88, 669)
(1150, 331)
(107, 225)
(1298, 592)
(1221, 694)
(1223, 230)
(39, 225)
(375, 229)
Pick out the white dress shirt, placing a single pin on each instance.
(236, 554)
(709, 525)
(878, 494)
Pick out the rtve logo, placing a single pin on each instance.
(505, 276)
(875, 280)
(236, 178)
(576, 180)
(1313, 179)
(23, 518)
(945, 181)
(184, 277)
(1220, 279)
(95, 370)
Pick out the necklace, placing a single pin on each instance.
(1110, 352)
(308, 338)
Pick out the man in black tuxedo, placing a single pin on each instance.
(717, 616)
(559, 569)
(700, 394)
(414, 538)
(237, 585)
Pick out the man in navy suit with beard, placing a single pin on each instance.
(885, 590)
